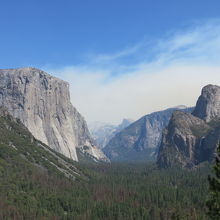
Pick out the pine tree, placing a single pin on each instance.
(213, 203)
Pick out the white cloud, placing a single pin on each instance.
(123, 53)
(184, 62)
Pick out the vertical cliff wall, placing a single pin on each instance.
(42, 103)
(191, 139)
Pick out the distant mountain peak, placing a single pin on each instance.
(127, 120)
(140, 140)
(180, 106)
(125, 123)
(208, 104)
(103, 132)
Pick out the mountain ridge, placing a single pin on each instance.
(139, 141)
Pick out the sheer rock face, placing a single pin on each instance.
(191, 139)
(42, 103)
(208, 104)
(181, 140)
(140, 140)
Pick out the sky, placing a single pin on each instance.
(122, 58)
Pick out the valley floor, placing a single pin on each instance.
(109, 191)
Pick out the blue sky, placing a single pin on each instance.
(121, 58)
(55, 32)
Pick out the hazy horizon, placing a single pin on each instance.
(184, 63)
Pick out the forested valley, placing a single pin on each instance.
(107, 191)
(38, 183)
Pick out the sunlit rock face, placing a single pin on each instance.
(208, 104)
(191, 139)
(42, 103)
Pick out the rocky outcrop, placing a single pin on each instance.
(191, 139)
(42, 103)
(208, 104)
(140, 140)
(181, 140)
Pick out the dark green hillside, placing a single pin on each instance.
(34, 180)
(140, 191)
(37, 183)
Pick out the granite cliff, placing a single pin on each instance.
(19, 147)
(42, 103)
(191, 139)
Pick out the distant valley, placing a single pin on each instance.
(137, 141)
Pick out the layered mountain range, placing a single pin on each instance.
(103, 132)
(191, 139)
(141, 139)
(42, 103)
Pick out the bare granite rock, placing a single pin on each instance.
(42, 103)
(181, 141)
(208, 104)
(191, 139)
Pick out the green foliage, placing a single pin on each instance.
(214, 187)
(114, 191)
(33, 186)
